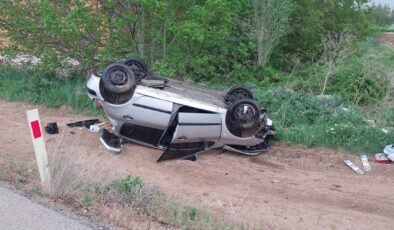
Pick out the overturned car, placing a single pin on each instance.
(181, 118)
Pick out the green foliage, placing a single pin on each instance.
(382, 15)
(316, 122)
(172, 210)
(87, 200)
(205, 40)
(312, 20)
(36, 190)
(43, 87)
(201, 38)
(192, 213)
(361, 79)
(271, 22)
(251, 76)
(128, 185)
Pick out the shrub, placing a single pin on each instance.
(127, 186)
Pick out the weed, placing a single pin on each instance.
(66, 179)
(172, 210)
(87, 200)
(127, 186)
(36, 190)
(192, 213)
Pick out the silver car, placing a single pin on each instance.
(181, 118)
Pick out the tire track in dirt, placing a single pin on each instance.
(286, 188)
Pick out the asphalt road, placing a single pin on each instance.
(19, 213)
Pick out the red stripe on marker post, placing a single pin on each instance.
(35, 128)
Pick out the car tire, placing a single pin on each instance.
(118, 78)
(242, 115)
(238, 92)
(139, 67)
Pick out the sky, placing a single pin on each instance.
(388, 2)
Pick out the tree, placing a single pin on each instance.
(271, 18)
(337, 47)
(312, 20)
(381, 15)
(176, 37)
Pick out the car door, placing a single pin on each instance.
(195, 132)
(197, 127)
(146, 119)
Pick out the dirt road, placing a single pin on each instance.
(388, 39)
(286, 188)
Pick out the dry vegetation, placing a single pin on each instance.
(125, 203)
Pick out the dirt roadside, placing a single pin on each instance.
(388, 39)
(284, 188)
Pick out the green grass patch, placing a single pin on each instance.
(41, 87)
(132, 191)
(390, 28)
(305, 119)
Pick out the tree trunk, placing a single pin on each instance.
(326, 78)
(260, 48)
(164, 41)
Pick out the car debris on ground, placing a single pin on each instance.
(381, 158)
(364, 160)
(52, 128)
(110, 141)
(389, 151)
(95, 128)
(351, 165)
(86, 123)
(180, 118)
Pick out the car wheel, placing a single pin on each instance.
(118, 78)
(243, 114)
(238, 92)
(139, 67)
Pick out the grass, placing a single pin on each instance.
(16, 172)
(40, 87)
(390, 28)
(378, 53)
(305, 119)
(168, 209)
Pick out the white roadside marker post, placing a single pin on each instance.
(39, 148)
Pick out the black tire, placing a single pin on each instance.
(238, 92)
(242, 115)
(139, 67)
(118, 78)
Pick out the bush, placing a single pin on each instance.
(362, 79)
(360, 82)
(127, 186)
